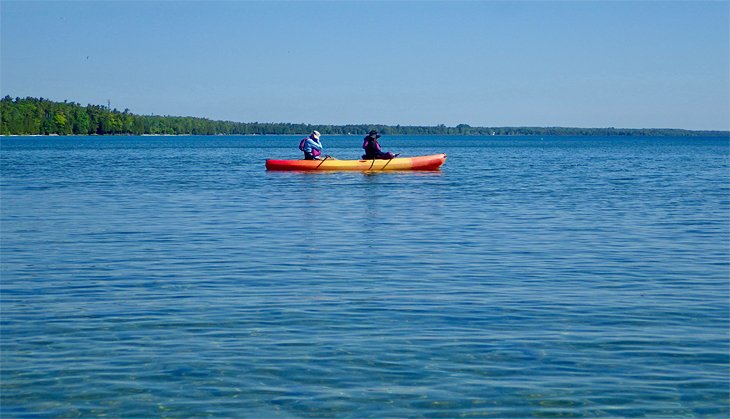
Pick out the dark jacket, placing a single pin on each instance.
(373, 150)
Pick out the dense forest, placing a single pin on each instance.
(31, 116)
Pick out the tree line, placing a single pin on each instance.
(39, 116)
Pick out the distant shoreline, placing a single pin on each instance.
(42, 117)
(713, 135)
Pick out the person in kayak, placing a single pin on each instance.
(311, 146)
(372, 148)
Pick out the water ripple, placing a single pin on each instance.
(157, 277)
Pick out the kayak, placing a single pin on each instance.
(432, 162)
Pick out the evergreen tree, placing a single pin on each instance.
(31, 116)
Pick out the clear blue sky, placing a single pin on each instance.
(634, 64)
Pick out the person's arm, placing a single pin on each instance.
(313, 144)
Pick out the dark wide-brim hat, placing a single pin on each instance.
(374, 133)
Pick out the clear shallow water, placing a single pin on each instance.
(175, 277)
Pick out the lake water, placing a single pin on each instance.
(530, 277)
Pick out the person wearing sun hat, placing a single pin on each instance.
(311, 146)
(372, 148)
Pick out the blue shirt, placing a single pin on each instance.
(311, 144)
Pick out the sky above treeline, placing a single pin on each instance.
(624, 64)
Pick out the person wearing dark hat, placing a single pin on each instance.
(372, 148)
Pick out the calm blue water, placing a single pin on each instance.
(175, 277)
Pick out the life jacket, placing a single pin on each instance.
(314, 152)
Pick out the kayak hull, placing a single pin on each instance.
(432, 162)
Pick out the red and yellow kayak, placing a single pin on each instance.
(432, 162)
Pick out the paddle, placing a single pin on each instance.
(325, 158)
(386, 164)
